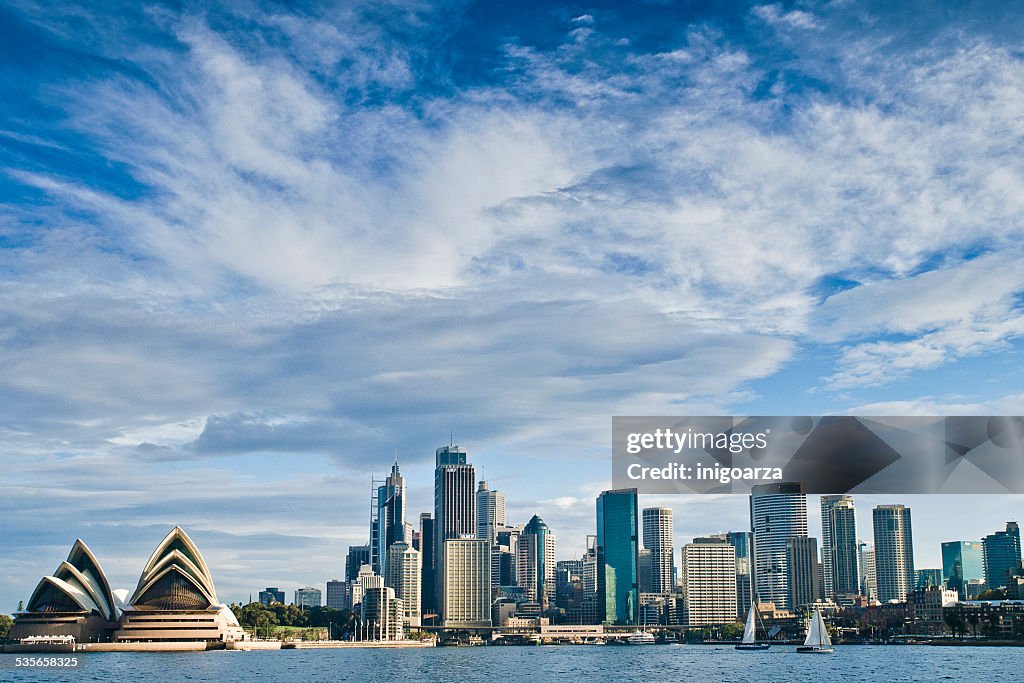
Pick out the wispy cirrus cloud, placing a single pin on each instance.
(246, 237)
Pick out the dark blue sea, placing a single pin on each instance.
(592, 664)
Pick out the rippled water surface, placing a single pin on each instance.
(569, 663)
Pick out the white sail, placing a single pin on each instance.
(825, 640)
(817, 633)
(748, 630)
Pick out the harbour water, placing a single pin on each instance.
(717, 664)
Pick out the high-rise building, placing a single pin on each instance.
(336, 594)
(658, 533)
(740, 541)
(428, 587)
(962, 562)
(490, 511)
(568, 584)
(804, 577)
(839, 546)
(1002, 555)
(270, 595)
(839, 536)
(454, 511)
(358, 555)
(709, 581)
(367, 578)
(778, 512)
(505, 556)
(894, 552)
(643, 571)
(404, 573)
(308, 597)
(536, 563)
(467, 575)
(927, 578)
(868, 577)
(382, 615)
(390, 500)
(617, 595)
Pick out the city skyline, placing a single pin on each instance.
(248, 252)
(865, 504)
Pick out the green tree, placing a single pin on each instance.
(732, 631)
(5, 626)
(265, 623)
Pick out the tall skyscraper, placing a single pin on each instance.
(1002, 555)
(617, 546)
(842, 577)
(778, 512)
(390, 517)
(709, 581)
(490, 511)
(962, 562)
(658, 532)
(894, 552)
(868, 577)
(536, 563)
(404, 573)
(839, 546)
(804, 579)
(428, 601)
(358, 555)
(467, 574)
(454, 510)
(741, 541)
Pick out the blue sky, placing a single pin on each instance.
(249, 252)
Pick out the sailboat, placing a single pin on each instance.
(750, 632)
(817, 640)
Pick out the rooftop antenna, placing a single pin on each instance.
(451, 437)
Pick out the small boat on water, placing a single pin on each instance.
(817, 641)
(640, 638)
(749, 642)
(594, 641)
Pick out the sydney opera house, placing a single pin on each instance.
(174, 601)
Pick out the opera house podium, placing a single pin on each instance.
(175, 601)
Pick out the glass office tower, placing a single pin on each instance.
(617, 557)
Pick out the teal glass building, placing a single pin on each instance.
(617, 598)
(1001, 551)
(962, 561)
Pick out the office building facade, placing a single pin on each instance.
(404, 575)
(962, 563)
(490, 511)
(658, 534)
(778, 512)
(1001, 552)
(709, 581)
(617, 548)
(454, 510)
(536, 563)
(894, 552)
(467, 574)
